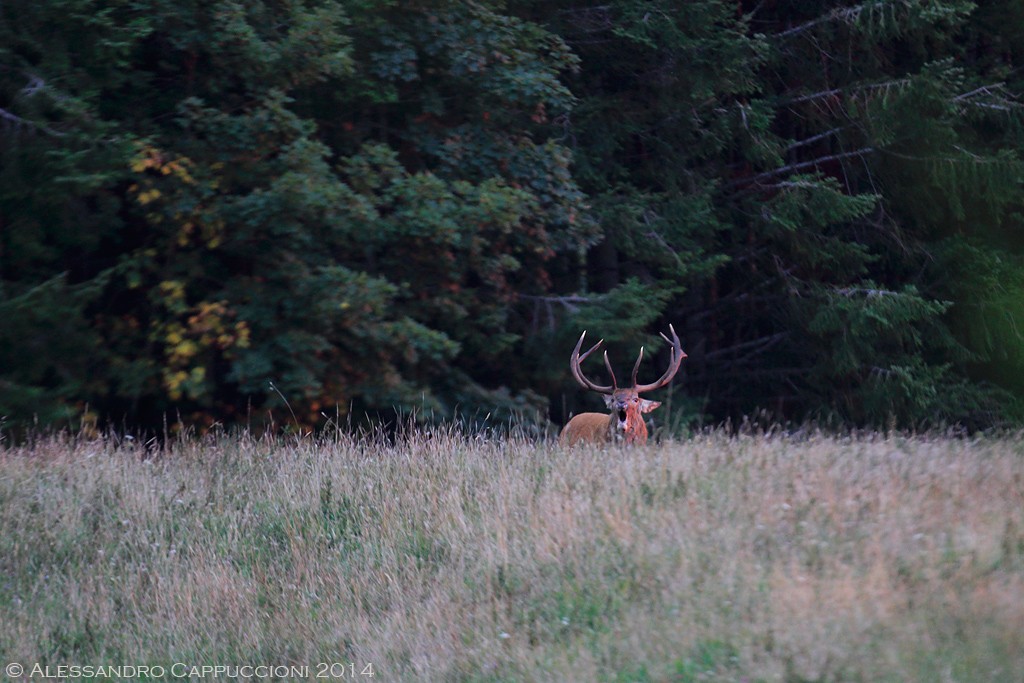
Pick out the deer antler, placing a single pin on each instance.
(636, 365)
(574, 367)
(675, 358)
(608, 365)
(625, 421)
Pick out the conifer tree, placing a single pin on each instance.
(325, 205)
(209, 209)
(793, 175)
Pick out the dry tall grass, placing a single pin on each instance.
(452, 558)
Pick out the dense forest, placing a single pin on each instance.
(229, 211)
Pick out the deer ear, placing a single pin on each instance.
(647, 406)
(608, 400)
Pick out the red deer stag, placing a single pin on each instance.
(625, 421)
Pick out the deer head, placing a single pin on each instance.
(625, 421)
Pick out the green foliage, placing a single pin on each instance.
(865, 379)
(314, 205)
(214, 209)
(790, 177)
(54, 359)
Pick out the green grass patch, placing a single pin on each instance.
(456, 558)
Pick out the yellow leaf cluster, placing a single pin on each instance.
(179, 382)
(148, 196)
(149, 158)
(210, 231)
(208, 328)
(172, 295)
(185, 234)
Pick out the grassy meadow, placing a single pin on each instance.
(446, 557)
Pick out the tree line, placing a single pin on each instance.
(317, 210)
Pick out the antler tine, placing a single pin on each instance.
(574, 367)
(607, 364)
(676, 357)
(674, 336)
(591, 349)
(636, 366)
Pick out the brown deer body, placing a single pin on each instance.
(626, 422)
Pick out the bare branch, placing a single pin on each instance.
(815, 138)
(19, 121)
(864, 291)
(792, 168)
(1000, 100)
(866, 87)
(847, 15)
(755, 346)
(569, 301)
(657, 237)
